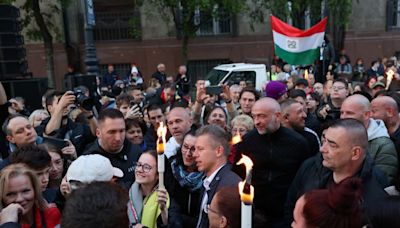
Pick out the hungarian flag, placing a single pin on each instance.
(295, 46)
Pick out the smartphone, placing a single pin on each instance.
(214, 90)
(59, 143)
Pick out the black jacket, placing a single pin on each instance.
(79, 134)
(276, 158)
(124, 160)
(313, 175)
(224, 178)
(189, 202)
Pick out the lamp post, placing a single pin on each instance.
(90, 49)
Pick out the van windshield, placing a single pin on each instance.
(215, 76)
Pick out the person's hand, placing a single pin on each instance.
(69, 150)
(162, 198)
(10, 213)
(201, 94)
(65, 100)
(324, 111)
(16, 105)
(226, 93)
(134, 112)
(65, 188)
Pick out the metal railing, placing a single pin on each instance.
(117, 25)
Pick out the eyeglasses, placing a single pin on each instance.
(187, 149)
(145, 167)
(338, 87)
(209, 209)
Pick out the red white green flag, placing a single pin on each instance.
(295, 46)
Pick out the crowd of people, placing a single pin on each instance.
(326, 151)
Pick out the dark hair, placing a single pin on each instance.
(180, 103)
(67, 159)
(123, 98)
(153, 107)
(50, 95)
(35, 157)
(250, 90)
(342, 81)
(109, 113)
(315, 96)
(5, 128)
(135, 122)
(216, 134)
(297, 93)
(337, 206)
(229, 204)
(179, 159)
(100, 204)
(354, 128)
(153, 153)
(214, 108)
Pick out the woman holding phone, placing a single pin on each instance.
(21, 200)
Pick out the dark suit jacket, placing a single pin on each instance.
(224, 178)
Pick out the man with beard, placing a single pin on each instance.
(277, 153)
(179, 123)
(59, 125)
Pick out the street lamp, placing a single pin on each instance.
(90, 49)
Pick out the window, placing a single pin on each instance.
(122, 69)
(393, 14)
(210, 26)
(248, 76)
(117, 25)
(198, 69)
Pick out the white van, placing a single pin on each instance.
(254, 74)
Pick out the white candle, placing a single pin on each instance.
(246, 216)
(161, 132)
(246, 192)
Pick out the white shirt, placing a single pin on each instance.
(206, 183)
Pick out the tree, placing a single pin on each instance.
(183, 14)
(40, 24)
(338, 12)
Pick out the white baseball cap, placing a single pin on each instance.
(90, 168)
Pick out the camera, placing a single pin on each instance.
(83, 101)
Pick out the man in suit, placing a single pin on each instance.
(211, 154)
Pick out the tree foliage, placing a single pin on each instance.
(183, 13)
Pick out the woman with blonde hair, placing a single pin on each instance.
(21, 199)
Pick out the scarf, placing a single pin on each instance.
(144, 211)
(188, 180)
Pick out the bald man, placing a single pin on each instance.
(179, 123)
(381, 148)
(386, 109)
(277, 153)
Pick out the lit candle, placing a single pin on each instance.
(246, 192)
(389, 78)
(236, 138)
(306, 74)
(161, 132)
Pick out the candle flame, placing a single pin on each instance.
(248, 163)
(390, 74)
(246, 192)
(161, 133)
(236, 138)
(306, 74)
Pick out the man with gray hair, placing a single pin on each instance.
(277, 153)
(235, 90)
(381, 148)
(211, 154)
(160, 74)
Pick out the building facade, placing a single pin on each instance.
(126, 34)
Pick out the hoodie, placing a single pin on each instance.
(382, 149)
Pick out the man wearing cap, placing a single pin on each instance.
(376, 87)
(276, 90)
(91, 168)
(112, 144)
